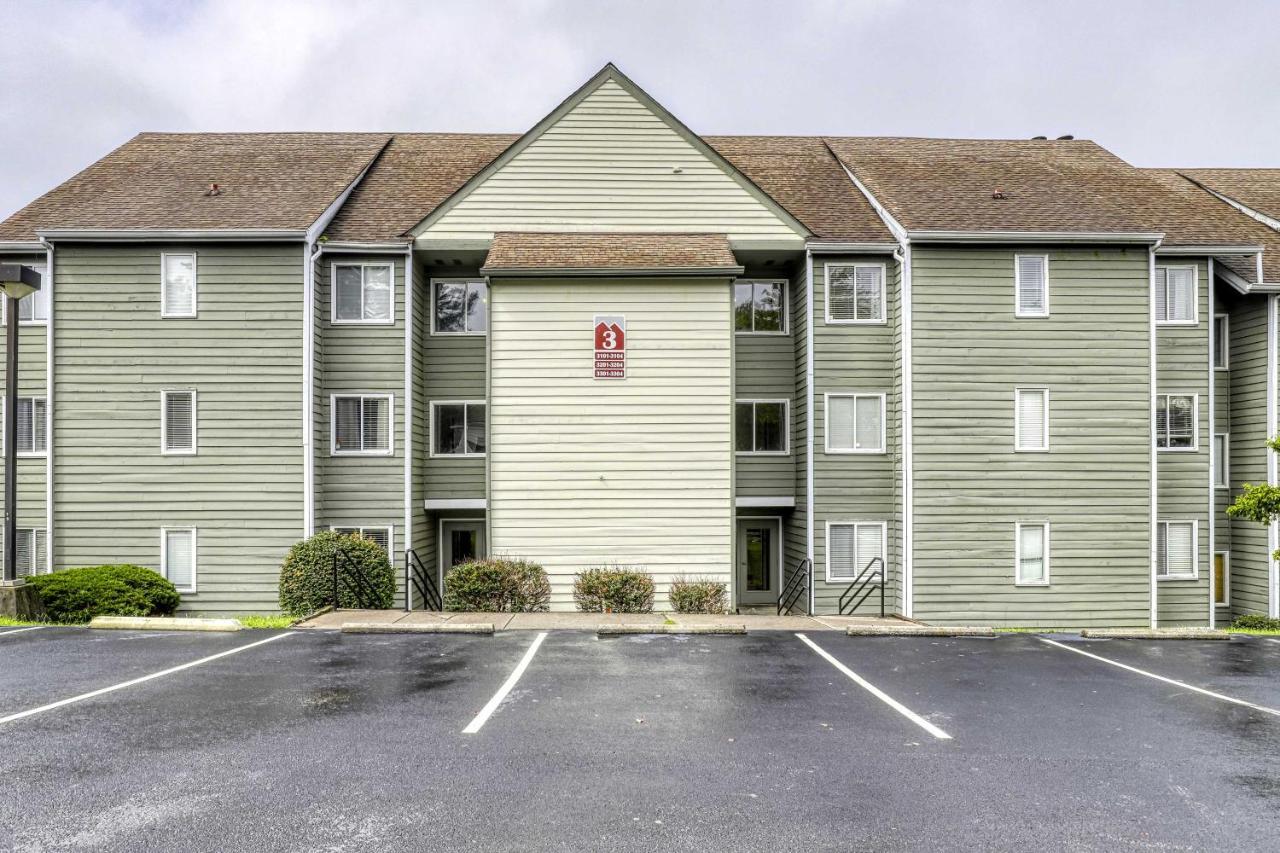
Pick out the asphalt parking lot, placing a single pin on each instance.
(318, 740)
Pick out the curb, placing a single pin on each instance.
(620, 630)
(917, 631)
(164, 623)
(394, 628)
(1157, 634)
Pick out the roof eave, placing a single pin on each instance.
(21, 246)
(1208, 249)
(844, 247)
(629, 272)
(945, 236)
(148, 235)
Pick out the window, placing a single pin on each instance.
(758, 306)
(380, 535)
(851, 546)
(855, 423)
(1222, 578)
(1031, 419)
(760, 426)
(855, 293)
(1176, 421)
(34, 308)
(1176, 550)
(458, 428)
(32, 426)
(360, 423)
(178, 285)
(31, 551)
(461, 308)
(1176, 295)
(178, 557)
(363, 293)
(1031, 560)
(1031, 281)
(1221, 342)
(178, 422)
(1222, 461)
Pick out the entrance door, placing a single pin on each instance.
(759, 556)
(461, 539)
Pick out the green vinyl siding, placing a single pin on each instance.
(242, 354)
(423, 540)
(764, 369)
(1222, 424)
(455, 370)
(1093, 486)
(795, 533)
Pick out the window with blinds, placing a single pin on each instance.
(32, 426)
(1032, 554)
(851, 546)
(178, 557)
(855, 293)
(1031, 280)
(31, 557)
(1176, 421)
(178, 285)
(360, 423)
(380, 535)
(363, 293)
(460, 307)
(855, 423)
(178, 422)
(1176, 549)
(1176, 295)
(458, 428)
(1031, 416)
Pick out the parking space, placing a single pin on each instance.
(322, 740)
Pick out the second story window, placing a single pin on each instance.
(360, 424)
(178, 422)
(35, 308)
(458, 428)
(1221, 342)
(855, 293)
(178, 285)
(1031, 419)
(460, 307)
(760, 426)
(855, 423)
(1176, 295)
(758, 306)
(1031, 275)
(363, 293)
(32, 426)
(1176, 421)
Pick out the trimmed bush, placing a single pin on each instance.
(497, 586)
(77, 595)
(1256, 622)
(306, 577)
(613, 590)
(698, 595)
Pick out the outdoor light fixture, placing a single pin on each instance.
(16, 281)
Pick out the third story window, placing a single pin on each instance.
(362, 293)
(760, 427)
(178, 421)
(1032, 274)
(1031, 412)
(758, 306)
(178, 287)
(362, 424)
(855, 293)
(1175, 294)
(35, 307)
(461, 307)
(855, 423)
(458, 429)
(1176, 549)
(1175, 421)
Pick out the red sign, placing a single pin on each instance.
(611, 346)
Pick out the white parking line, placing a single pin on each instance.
(20, 630)
(130, 683)
(487, 711)
(877, 692)
(1263, 708)
(1272, 640)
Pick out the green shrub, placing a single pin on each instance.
(78, 595)
(1256, 622)
(698, 595)
(613, 590)
(497, 586)
(306, 577)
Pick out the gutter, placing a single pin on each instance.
(1213, 429)
(151, 235)
(49, 421)
(332, 246)
(1210, 249)
(838, 248)
(562, 272)
(930, 236)
(1153, 456)
(808, 424)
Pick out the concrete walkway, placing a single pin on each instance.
(591, 621)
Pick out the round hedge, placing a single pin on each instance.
(77, 595)
(698, 595)
(497, 586)
(613, 590)
(306, 576)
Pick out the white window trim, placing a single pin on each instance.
(164, 556)
(1195, 419)
(389, 528)
(1017, 287)
(785, 306)
(391, 423)
(36, 568)
(826, 423)
(4, 302)
(1195, 295)
(34, 454)
(1226, 579)
(165, 313)
(1226, 340)
(786, 426)
(882, 320)
(432, 307)
(884, 548)
(1017, 419)
(1195, 549)
(1017, 552)
(195, 421)
(1222, 478)
(333, 294)
(431, 426)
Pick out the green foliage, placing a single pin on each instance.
(77, 595)
(306, 577)
(613, 590)
(1256, 622)
(698, 595)
(1259, 503)
(497, 586)
(259, 620)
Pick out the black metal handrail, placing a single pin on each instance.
(347, 574)
(795, 586)
(860, 590)
(423, 580)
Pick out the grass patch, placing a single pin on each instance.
(259, 620)
(1254, 632)
(6, 622)
(1036, 630)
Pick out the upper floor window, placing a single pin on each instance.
(460, 307)
(1031, 418)
(34, 308)
(759, 306)
(1222, 461)
(1176, 295)
(33, 428)
(760, 426)
(855, 293)
(360, 423)
(178, 422)
(855, 423)
(1176, 421)
(178, 285)
(1031, 280)
(458, 428)
(363, 293)
(1221, 342)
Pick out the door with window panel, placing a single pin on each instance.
(758, 560)
(461, 539)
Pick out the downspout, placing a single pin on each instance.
(48, 410)
(808, 419)
(1151, 407)
(308, 390)
(1213, 441)
(1273, 600)
(408, 419)
(908, 522)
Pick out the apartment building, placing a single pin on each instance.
(1017, 381)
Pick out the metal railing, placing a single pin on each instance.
(796, 586)
(860, 590)
(347, 577)
(423, 580)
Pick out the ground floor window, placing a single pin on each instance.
(1222, 578)
(852, 546)
(178, 557)
(31, 551)
(1176, 550)
(381, 534)
(1032, 554)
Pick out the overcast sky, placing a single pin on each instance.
(1159, 83)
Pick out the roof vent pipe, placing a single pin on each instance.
(214, 189)
(1066, 137)
(1039, 138)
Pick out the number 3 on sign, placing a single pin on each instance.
(610, 346)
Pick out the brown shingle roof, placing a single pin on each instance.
(525, 251)
(1255, 188)
(159, 180)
